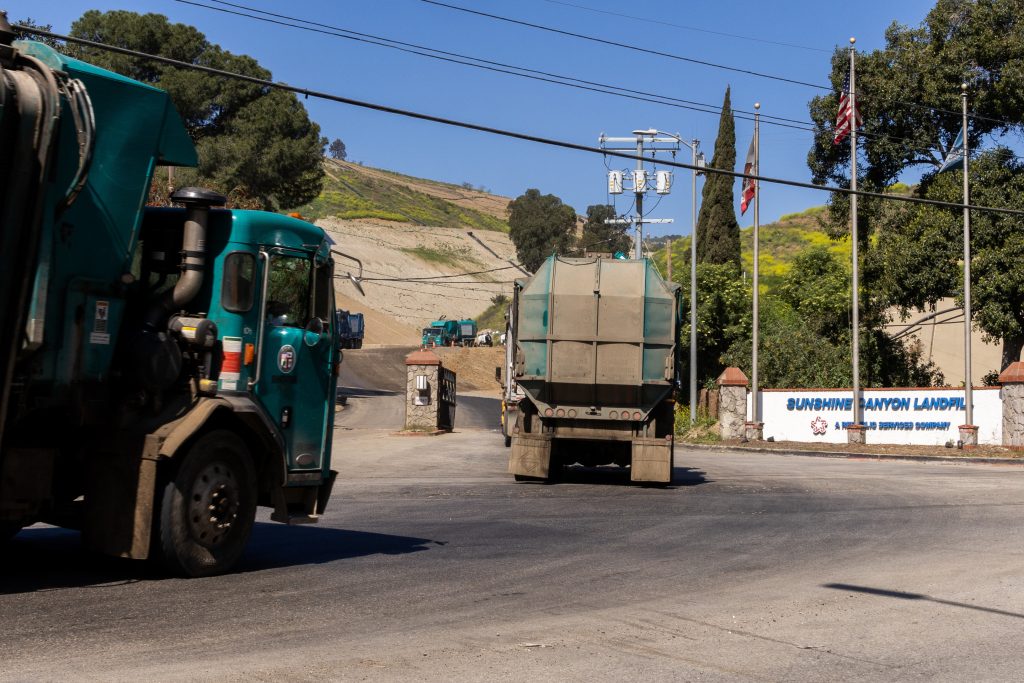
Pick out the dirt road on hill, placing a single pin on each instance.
(416, 274)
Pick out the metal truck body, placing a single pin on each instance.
(594, 349)
(351, 329)
(164, 371)
(441, 333)
(467, 332)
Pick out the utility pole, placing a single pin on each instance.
(639, 187)
(655, 141)
(698, 160)
(968, 431)
(668, 260)
(650, 141)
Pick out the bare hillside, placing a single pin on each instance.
(413, 275)
(428, 249)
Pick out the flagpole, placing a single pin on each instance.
(693, 288)
(968, 436)
(856, 434)
(755, 341)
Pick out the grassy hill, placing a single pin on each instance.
(779, 243)
(353, 192)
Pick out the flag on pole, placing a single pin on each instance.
(845, 117)
(955, 157)
(749, 184)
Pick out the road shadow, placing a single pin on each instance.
(902, 595)
(277, 545)
(682, 477)
(362, 392)
(45, 558)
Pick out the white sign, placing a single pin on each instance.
(928, 417)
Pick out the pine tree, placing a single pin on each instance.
(718, 232)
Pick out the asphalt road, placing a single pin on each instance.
(431, 564)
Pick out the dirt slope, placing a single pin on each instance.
(398, 304)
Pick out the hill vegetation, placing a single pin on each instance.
(351, 192)
(781, 242)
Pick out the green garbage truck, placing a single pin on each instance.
(163, 371)
(594, 345)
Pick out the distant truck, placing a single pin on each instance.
(351, 329)
(593, 346)
(441, 333)
(467, 332)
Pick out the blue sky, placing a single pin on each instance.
(509, 167)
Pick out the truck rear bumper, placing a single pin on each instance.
(651, 460)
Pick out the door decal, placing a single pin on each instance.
(286, 359)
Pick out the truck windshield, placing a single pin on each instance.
(430, 331)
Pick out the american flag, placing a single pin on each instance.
(845, 114)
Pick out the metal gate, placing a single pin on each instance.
(446, 399)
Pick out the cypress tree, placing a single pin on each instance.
(718, 232)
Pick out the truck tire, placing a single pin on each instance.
(357, 344)
(204, 515)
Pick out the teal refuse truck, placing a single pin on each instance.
(441, 333)
(165, 370)
(594, 350)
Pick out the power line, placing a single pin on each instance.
(541, 76)
(456, 58)
(685, 27)
(627, 46)
(691, 60)
(551, 142)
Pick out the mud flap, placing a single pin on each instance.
(119, 507)
(652, 460)
(531, 455)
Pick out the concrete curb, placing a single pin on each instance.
(954, 459)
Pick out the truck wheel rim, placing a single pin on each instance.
(213, 506)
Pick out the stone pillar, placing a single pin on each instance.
(732, 403)
(421, 404)
(1012, 379)
(856, 434)
(969, 435)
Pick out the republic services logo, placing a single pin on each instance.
(819, 426)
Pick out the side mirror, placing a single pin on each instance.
(314, 332)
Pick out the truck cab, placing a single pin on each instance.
(168, 369)
(441, 333)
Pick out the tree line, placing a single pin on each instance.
(256, 145)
